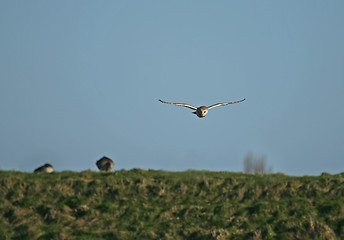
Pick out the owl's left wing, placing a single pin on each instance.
(222, 104)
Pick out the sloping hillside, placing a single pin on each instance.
(141, 204)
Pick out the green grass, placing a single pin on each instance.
(139, 204)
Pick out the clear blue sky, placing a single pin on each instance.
(82, 79)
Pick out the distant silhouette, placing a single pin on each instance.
(256, 165)
(45, 168)
(105, 164)
(201, 111)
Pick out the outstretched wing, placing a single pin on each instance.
(221, 104)
(180, 104)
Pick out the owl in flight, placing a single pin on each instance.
(201, 111)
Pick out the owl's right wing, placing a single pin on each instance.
(180, 104)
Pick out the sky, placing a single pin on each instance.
(81, 79)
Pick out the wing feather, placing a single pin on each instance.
(180, 104)
(222, 104)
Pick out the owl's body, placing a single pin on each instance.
(201, 111)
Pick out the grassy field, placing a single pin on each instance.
(140, 204)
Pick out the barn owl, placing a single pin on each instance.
(201, 111)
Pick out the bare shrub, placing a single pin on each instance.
(256, 165)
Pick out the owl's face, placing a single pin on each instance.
(202, 111)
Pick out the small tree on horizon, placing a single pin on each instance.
(256, 165)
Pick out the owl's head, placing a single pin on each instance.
(201, 111)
